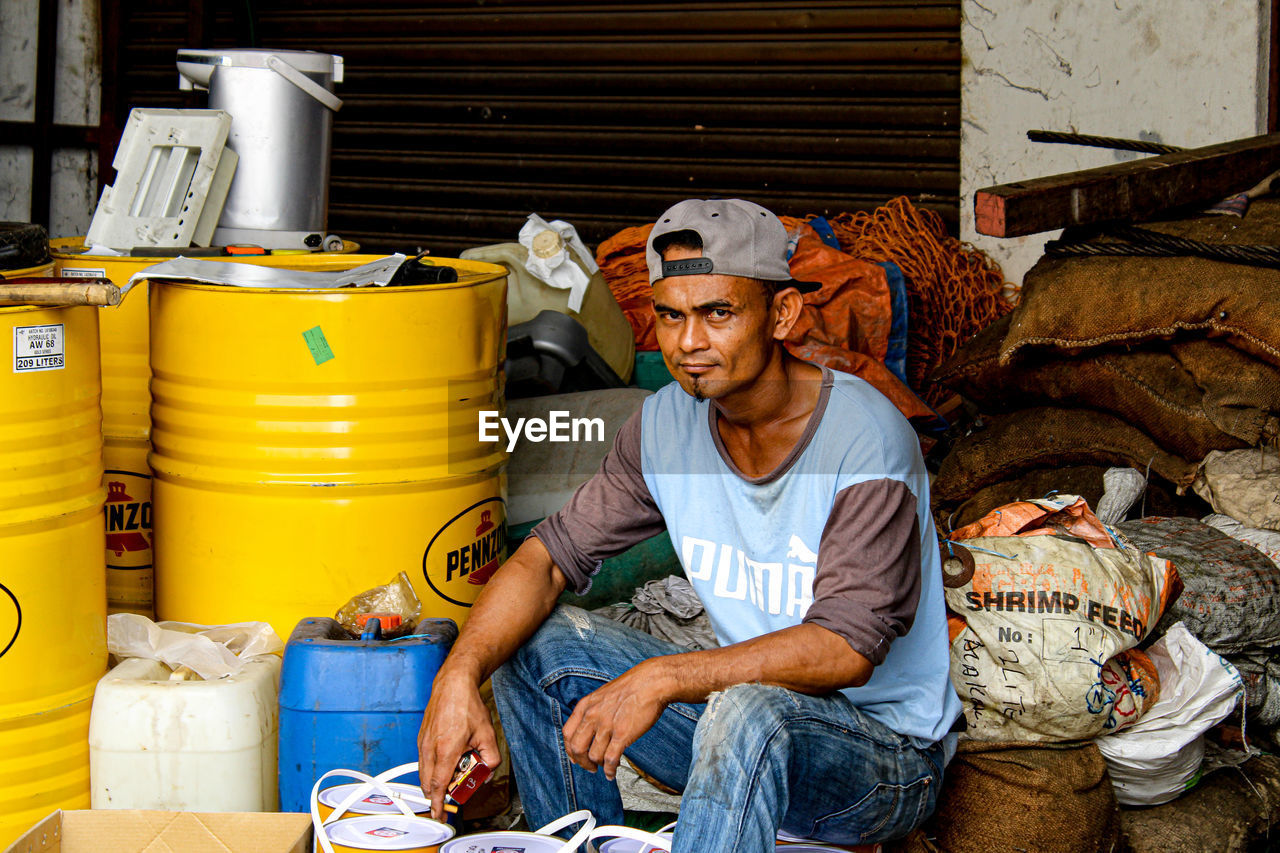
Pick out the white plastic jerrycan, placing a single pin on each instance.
(159, 742)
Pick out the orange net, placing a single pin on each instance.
(954, 289)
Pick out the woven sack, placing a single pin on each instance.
(1261, 674)
(1244, 484)
(1082, 302)
(1052, 607)
(1082, 480)
(1048, 437)
(1266, 541)
(1231, 591)
(1048, 798)
(1226, 813)
(1241, 393)
(1148, 388)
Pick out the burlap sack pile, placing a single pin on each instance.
(1054, 798)
(1152, 363)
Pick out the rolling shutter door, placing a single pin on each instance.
(462, 117)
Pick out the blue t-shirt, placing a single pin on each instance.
(839, 535)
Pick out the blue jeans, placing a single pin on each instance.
(752, 760)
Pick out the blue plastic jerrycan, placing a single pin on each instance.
(353, 704)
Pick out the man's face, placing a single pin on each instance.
(716, 332)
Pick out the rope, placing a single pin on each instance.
(953, 289)
(1142, 242)
(1102, 142)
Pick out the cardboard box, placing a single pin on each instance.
(135, 831)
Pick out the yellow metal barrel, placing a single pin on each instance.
(126, 424)
(52, 577)
(309, 445)
(42, 269)
(126, 403)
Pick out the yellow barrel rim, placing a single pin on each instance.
(64, 248)
(477, 272)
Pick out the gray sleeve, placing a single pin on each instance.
(606, 515)
(867, 584)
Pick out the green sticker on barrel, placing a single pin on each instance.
(317, 344)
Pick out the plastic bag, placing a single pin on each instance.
(395, 597)
(549, 244)
(212, 651)
(1158, 757)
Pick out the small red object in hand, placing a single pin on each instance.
(470, 775)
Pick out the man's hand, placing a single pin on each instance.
(608, 720)
(456, 720)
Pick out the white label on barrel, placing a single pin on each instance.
(38, 348)
(83, 273)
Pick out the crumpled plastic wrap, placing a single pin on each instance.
(549, 245)
(395, 597)
(211, 651)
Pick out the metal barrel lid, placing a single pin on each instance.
(375, 803)
(388, 832)
(631, 845)
(487, 842)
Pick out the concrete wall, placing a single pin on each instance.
(17, 102)
(1182, 72)
(76, 101)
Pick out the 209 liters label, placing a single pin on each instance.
(38, 348)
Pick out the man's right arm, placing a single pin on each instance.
(608, 514)
(514, 603)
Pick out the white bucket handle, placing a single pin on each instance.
(361, 791)
(583, 816)
(651, 840)
(320, 93)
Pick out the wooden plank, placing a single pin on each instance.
(1130, 191)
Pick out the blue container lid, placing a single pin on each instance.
(324, 669)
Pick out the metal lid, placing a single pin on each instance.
(487, 842)
(388, 832)
(632, 845)
(375, 803)
(307, 61)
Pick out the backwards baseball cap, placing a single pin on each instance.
(738, 238)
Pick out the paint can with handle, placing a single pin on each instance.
(399, 828)
(625, 839)
(542, 840)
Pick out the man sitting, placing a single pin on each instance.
(798, 502)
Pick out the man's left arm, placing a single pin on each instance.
(866, 590)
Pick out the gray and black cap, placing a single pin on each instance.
(739, 238)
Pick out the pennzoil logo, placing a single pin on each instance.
(128, 519)
(10, 619)
(467, 551)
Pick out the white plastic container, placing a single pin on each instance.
(205, 746)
